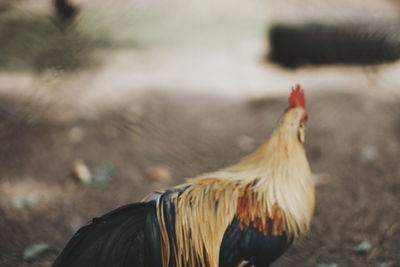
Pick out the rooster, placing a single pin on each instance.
(247, 214)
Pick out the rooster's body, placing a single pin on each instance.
(244, 215)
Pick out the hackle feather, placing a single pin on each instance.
(276, 183)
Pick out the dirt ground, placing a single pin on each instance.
(360, 203)
(123, 104)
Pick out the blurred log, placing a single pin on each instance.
(314, 43)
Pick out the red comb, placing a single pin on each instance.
(296, 98)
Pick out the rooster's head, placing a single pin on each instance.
(295, 117)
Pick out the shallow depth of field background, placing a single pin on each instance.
(147, 93)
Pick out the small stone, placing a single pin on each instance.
(32, 252)
(368, 154)
(326, 265)
(159, 173)
(104, 175)
(245, 142)
(364, 247)
(390, 263)
(321, 178)
(75, 134)
(81, 171)
(24, 202)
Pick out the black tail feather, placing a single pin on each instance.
(128, 236)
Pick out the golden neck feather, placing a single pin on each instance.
(277, 174)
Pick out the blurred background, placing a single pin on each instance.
(102, 102)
